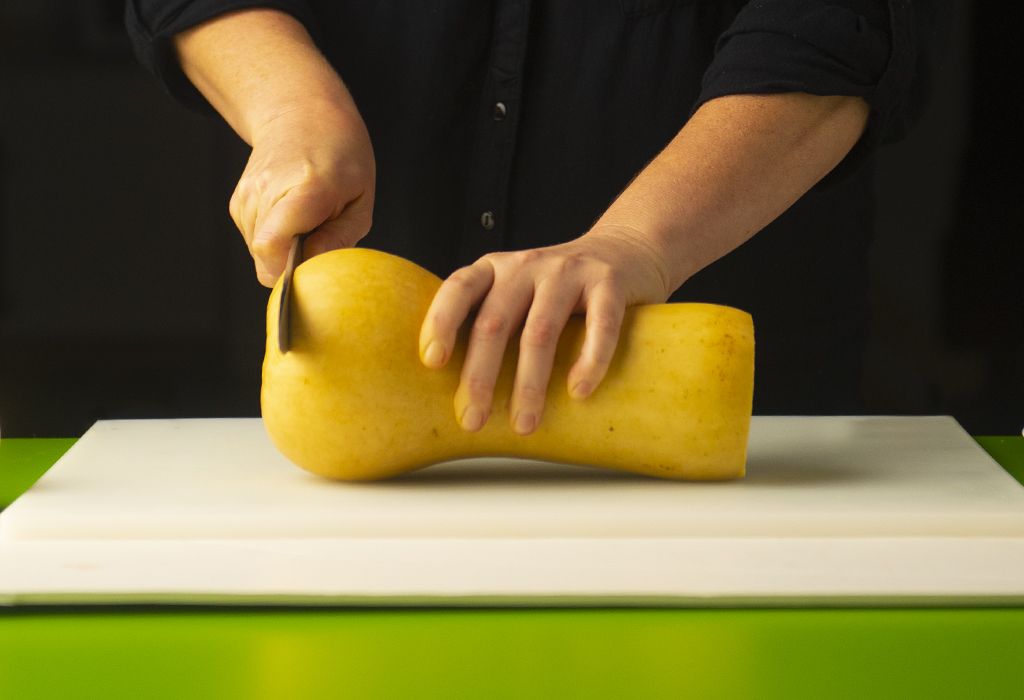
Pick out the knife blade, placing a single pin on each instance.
(284, 334)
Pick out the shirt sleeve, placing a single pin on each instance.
(151, 25)
(864, 48)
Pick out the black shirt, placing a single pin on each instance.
(513, 124)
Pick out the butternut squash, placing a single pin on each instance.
(351, 399)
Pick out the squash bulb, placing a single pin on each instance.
(351, 399)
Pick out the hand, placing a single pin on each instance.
(600, 273)
(312, 167)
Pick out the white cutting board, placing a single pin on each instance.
(837, 509)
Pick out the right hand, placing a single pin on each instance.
(311, 168)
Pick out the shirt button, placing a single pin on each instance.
(500, 110)
(487, 220)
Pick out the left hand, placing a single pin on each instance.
(600, 273)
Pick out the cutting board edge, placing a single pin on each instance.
(683, 571)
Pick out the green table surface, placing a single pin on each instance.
(189, 652)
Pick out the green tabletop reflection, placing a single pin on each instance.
(188, 652)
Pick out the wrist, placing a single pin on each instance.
(636, 242)
(665, 249)
(303, 115)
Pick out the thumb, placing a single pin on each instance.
(296, 212)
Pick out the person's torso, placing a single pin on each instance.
(510, 124)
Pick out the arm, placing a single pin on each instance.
(312, 165)
(736, 165)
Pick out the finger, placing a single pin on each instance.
(344, 231)
(235, 211)
(452, 303)
(297, 211)
(552, 305)
(606, 307)
(501, 311)
(242, 208)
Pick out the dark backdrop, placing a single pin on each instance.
(126, 292)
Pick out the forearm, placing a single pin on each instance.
(736, 165)
(255, 65)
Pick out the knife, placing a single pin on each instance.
(284, 333)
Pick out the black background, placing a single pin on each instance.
(126, 292)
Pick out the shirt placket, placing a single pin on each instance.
(487, 219)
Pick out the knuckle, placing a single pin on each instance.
(313, 185)
(540, 333)
(529, 255)
(492, 259)
(242, 189)
(479, 388)
(259, 183)
(461, 279)
(306, 170)
(531, 394)
(604, 323)
(490, 326)
(235, 213)
(262, 247)
(570, 262)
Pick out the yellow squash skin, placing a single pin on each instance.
(351, 400)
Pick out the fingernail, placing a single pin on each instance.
(580, 390)
(524, 423)
(433, 356)
(472, 418)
